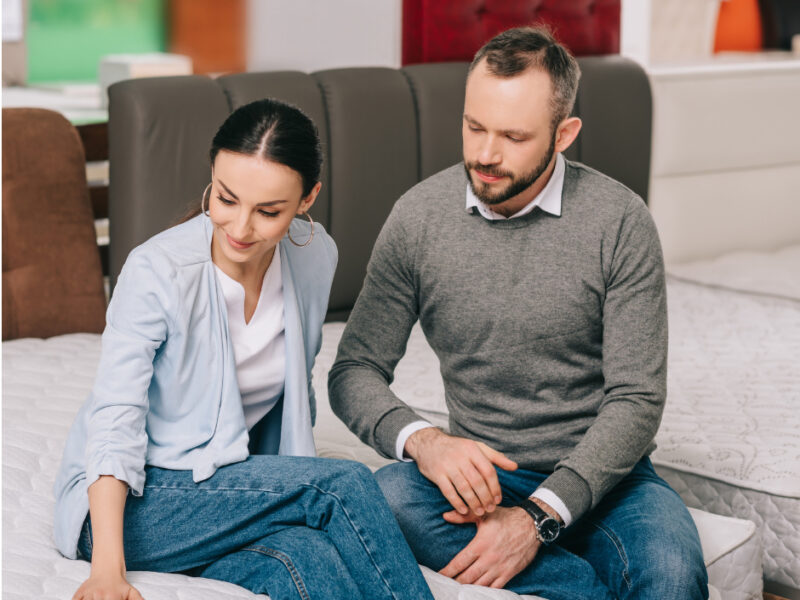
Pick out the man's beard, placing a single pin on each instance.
(518, 184)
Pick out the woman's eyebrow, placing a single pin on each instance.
(270, 203)
(227, 189)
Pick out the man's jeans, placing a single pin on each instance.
(638, 542)
(290, 527)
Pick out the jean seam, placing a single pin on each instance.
(287, 562)
(266, 491)
(620, 550)
(358, 534)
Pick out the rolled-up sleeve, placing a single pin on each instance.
(137, 323)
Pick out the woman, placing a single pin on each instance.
(202, 406)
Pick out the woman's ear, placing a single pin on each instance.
(307, 202)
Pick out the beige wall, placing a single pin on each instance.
(310, 35)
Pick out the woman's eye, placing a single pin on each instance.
(225, 201)
(268, 214)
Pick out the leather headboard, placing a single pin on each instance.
(383, 130)
(436, 31)
(52, 281)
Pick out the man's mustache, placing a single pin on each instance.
(489, 170)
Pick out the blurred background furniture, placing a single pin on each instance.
(383, 130)
(52, 280)
(435, 31)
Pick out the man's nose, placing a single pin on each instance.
(490, 151)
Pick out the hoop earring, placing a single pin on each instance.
(311, 237)
(205, 199)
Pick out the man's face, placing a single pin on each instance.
(508, 138)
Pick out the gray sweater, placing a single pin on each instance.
(551, 331)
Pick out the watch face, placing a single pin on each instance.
(549, 529)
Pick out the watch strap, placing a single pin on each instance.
(538, 515)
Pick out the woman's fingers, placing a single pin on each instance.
(134, 594)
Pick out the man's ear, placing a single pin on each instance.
(566, 132)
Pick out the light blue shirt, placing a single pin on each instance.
(166, 392)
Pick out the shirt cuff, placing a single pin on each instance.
(403, 436)
(555, 503)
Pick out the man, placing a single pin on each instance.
(545, 303)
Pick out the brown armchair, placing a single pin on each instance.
(52, 279)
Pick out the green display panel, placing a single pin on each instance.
(66, 38)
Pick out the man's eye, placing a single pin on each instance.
(515, 140)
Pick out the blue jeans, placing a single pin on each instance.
(290, 527)
(638, 542)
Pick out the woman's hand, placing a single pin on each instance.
(107, 579)
(107, 587)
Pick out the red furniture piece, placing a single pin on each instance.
(453, 30)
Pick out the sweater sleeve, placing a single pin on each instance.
(634, 368)
(374, 341)
(136, 326)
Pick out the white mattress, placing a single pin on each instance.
(730, 439)
(44, 383)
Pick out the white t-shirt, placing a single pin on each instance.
(258, 346)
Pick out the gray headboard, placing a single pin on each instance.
(383, 130)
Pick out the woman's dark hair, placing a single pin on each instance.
(274, 131)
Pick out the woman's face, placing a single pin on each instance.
(251, 204)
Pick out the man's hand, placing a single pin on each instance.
(504, 545)
(462, 469)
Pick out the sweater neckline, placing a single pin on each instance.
(537, 213)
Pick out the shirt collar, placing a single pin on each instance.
(549, 199)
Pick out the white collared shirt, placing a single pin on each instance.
(548, 200)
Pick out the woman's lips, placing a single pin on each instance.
(238, 245)
(486, 177)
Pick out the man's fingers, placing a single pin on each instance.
(464, 488)
(498, 458)
(459, 519)
(500, 582)
(481, 487)
(486, 469)
(487, 578)
(449, 492)
(475, 572)
(460, 562)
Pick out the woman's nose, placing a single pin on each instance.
(241, 226)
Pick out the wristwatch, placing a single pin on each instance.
(547, 528)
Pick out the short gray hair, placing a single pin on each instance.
(517, 50)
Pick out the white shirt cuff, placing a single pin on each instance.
(555, 503)
(403, 436)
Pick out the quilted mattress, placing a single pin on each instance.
(729, 442)
(45, 382)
